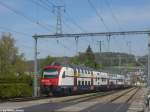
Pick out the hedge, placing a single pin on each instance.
(15, 79)
(13, 90)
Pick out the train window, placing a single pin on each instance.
(103, 79)
(82, 71)
(89, 83)
(82, 82)
(85, 71)
(63, 75)
(85, 82)
(79, 82)
(98, 78)
(75, 71)
(50, 73)
(78, 70)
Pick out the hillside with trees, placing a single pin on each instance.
(99, 61)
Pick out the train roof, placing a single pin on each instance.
(72, 66)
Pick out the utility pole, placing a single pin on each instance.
(76, 40)
(100, 45)
(108, 40)
(35, 82)
(148, 81)
(129, 52)
(119, 56)
(129, 47)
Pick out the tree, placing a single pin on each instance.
(48, 61)
(87, 59)
(11, 63)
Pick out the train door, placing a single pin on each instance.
(75, 79)
(92, 85)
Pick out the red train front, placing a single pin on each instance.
(49, 79)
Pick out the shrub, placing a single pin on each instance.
(15, 90)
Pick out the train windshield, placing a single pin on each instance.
(50, 73)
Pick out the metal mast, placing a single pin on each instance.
(58, 12)
(100, 46)
(148, 81)
(35, 83)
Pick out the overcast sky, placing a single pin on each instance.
(20, 17)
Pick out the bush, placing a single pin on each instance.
(15, 90)
(16, 79)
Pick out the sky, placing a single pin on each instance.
(25, 18)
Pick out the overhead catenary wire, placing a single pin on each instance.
(48, 8)
(64, 22)
(18, 32)
(101, 19)
(70, 17)
(98, 14)
(113, 14)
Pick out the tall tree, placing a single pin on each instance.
(48, 61)
(90, 58)
(11, 63)
(87, 58)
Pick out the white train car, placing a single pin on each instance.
(60, 79)
(120, 81)
(101, 80)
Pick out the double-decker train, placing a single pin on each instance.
(68, 79)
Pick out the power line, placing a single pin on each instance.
(98, 14)
(39, 4)
(47, 7)
(70, 17)
(50, 3)
(22, 33)
(23, 15)
(53, 6)
(113, 14)
(74, 22)
(101, 19)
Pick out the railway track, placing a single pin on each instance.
(96, 95)
(48, 97)
(77, 103)
(93, 103)
(74, 98)
(87, 97)
(63, 98)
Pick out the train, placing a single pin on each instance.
(60, 79)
